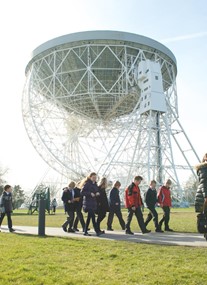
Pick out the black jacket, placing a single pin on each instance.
(6, 202)
(67, 198)
(114, 199)
(202, 186)
(102, 202)
(151, 198)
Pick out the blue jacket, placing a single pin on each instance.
(89, 202)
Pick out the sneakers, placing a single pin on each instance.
(129, 232)
(146, 231)
(11, 230)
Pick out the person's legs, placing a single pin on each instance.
(1, 218)
(93, 217)
(87, 223)
(154, 214)
(121, 221)
(110, 220)
(100, 218)
(75, 225)
(149, 218)
(69, 220)
(140, 220)
(167, 218)
(163, 219)
(79, 218)
(129, 219)
(9, 220)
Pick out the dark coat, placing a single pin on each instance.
(6, 202)
(202, 187)
(67, 198)
(102, 201)
(78, 204)
(151, 198)
(114, 199)
(89, 202)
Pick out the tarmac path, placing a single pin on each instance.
(166, 238)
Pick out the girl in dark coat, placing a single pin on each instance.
(6, 206)
(89, 193)
(102, 203)
(201, 194)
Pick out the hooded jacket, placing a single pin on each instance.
(202, 186)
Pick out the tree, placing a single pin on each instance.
(190, 188)
(18, 197)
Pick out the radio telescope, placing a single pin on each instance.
(106, 101)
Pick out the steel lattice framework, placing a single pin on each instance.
(81, 108)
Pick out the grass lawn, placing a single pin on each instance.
(72, 261)
(37, 261)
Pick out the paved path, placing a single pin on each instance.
(167, 238)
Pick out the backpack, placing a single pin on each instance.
(2, 209)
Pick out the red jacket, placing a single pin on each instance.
(133, 196)
(164, 197)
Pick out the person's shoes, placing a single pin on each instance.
(146, 231)
(169, 230)
(109, 229)
(11, 230)
(159, 231)
(65, 229)
(99, 233)
(128, 232)
(102, 232)
(87, 234)
(76, 230)
(71, 231)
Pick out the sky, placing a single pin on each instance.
(26, 24)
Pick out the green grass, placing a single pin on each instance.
(36, 260)
(67, 261)
(182, 220)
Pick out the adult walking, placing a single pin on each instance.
(69, 206)
(151, 201)
(164, 199)
(89, 193)
(115, 207)
(133, 203)
(6, 206)
(102, 203)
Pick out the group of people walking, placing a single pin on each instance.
(92, 198)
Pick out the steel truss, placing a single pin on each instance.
(81, 112)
